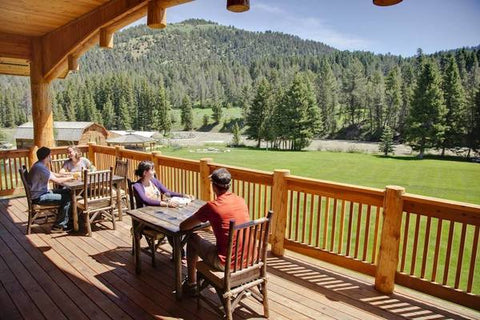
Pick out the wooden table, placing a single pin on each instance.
(167, 221)
(76, 186)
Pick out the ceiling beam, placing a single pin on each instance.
(15, 46)
(113, 15)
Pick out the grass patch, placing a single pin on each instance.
(451, 180)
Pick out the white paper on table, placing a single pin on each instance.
(180, 201)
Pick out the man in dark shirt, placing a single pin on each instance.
(226, 206)
(38, 179)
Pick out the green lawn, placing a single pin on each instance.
(453, 180)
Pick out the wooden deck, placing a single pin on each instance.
(60, 276)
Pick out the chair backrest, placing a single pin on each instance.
(131, 194)
(57, 164)
(24, 176)
(247, 247)
(121, 167)
(98, 185)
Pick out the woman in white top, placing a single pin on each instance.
(76, 163)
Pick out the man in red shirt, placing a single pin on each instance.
(226, 206)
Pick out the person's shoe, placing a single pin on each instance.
(68, 228)
(189, 289)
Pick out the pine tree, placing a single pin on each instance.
(393, 99)
(187, 114)
(301, 118)
(473, 136)
(354, 92)
(123, 119)
(9, 112)
(376, 103)
(236, 139)
(217, 112)
(257, 117)
(108, 114)
(161, 116)
(386, 142)
(455, 102)
(426, 121)
(327, 97)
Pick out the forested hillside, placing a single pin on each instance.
(290, 90)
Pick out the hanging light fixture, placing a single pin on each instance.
(385, 3)
(238, 5)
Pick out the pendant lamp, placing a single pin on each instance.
(238, 5)
(385, 3)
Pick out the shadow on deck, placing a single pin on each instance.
(47, 276)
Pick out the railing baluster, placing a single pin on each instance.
(297, 220)
(375, 235)
(319, 220)
(437, 250)
(367, 229)
(325, 222)
(349, 233)
(290, 214)
(425, 248)
(405, 241)
(304, 217)
(449, 251)
(359, 224)
(310, 233)
(460, 255)
(334, 222)
(342, 224)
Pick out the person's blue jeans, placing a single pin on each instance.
(61, 197)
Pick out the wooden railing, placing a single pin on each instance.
(428, 244)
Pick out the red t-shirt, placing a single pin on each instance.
(219, 212)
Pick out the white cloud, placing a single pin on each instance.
(269, 9)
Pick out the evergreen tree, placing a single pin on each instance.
(217, 112)
(454, 101)
(9, 117)
(301, 116)
(473, 136)
(161, 116)
(257, 117)
(393, 99)
(327, 97)
(376, 103)
(386, 141)
(205, 120)
(354, 92)
(187, 114)
(124, 120)
(236, 139)
(426, 121)
(108, 115)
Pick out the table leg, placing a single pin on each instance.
(74, 210)
(136, 245)
(177, 258)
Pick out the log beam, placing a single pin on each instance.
(73, 63)
(157, 15)
(41, 107)
(15, 46)
(106, 38)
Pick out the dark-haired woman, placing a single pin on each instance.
(149, 191)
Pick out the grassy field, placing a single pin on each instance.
(454, 180)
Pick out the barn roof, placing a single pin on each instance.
(63, 130)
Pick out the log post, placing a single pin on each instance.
(73, 63)
(32, 156)
(91, 153)
(205, 185)
(156, 15)
(42, 114)
(280, 200)
(387, 261)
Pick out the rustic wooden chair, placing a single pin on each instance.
(36, 211)
(153, 237)
(247, 274)
(97, 197)
(57, 164)
(121, 169)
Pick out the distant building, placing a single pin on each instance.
(135, 140)
(65, 133)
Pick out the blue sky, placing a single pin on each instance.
(432, 25)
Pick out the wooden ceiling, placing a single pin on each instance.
(61, 30)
